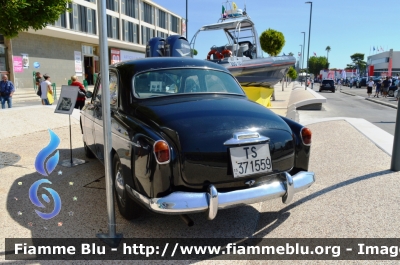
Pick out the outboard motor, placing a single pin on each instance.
(177, 46)
(155, 47)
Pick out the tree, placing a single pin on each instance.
(327, 49)
(291, 54)
(316, 64)
(292, 73)
(272, 42)
(20, 15)
(358, 61)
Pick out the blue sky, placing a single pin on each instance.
(347, 26)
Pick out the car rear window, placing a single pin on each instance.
(167, 82)
(327, 82)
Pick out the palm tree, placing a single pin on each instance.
(327, 49)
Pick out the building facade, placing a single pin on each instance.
(384, 64)
(70, 46)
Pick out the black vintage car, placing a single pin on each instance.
(186, 139)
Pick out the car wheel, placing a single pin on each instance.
(127, 207)
(88, 152)
(319, 90)
(333, 91)
(391, 93)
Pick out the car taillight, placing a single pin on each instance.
(306, 136)
(161, 152)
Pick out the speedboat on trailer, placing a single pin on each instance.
(242, 55)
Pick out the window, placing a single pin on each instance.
(161, 34)
(113, 85)
(129, 8)
(174, 25)
(162, 19)
(112, 5)
(92, 1)
(129, 31)
(147, 34)
(147, 13)
(112, 27)
(83, 19)
(61, 22)
(168, 82)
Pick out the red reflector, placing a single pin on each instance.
(306, 136)
(161, 151)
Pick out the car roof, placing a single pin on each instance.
(134, 66)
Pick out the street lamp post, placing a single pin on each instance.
(187, 35)
(302, 53)
(301, 63)
(309, 34)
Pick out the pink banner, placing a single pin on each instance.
(17, 61)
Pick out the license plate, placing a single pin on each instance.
(249, 160)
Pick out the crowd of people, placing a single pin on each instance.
(46, 93)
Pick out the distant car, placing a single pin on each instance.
(391, 90)
(327, 84)
(362, 82)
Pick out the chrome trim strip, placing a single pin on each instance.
(194, 202)
(246, 138)
(126, 140)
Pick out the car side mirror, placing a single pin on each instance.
(89, 94)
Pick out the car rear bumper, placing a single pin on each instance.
(212, 200)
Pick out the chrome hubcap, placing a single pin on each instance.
(120, 187)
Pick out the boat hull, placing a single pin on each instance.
(264, 71)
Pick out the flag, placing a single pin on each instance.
(315, 54)
(381, 48)
(373, 48)
(234, 6)
(299, 53)
(223, 12)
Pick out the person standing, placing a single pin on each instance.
(80, 100)
(45, 87)
(7, 90)
(370, 85)
(377, 88)
(39, 79)
(386, 84)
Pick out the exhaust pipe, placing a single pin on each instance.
(188, 221)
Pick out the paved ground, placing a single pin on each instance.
(355, 195)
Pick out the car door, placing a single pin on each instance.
(88, 119)
(98, 118)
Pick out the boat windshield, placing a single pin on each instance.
(169, 82)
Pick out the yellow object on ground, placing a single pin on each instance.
(261, 95)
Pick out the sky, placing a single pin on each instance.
(347, 26)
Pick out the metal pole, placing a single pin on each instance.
(304, 45)
(106, 116)
(309, 34)
(187, 20)
(395, 163)
(70, 138)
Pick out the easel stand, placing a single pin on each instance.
(72, 162)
